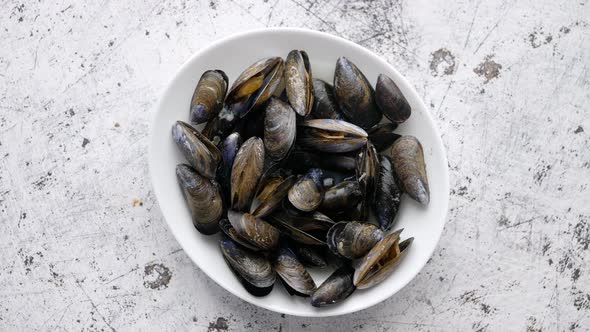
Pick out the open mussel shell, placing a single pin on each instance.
(305, 228)
(354, 94)
(391, 101)
(336, 288)
(202, 197)
(381, 261)
(255, 85)
(253, 269)
(246, 170)
(271, 198)
(408, 163)
(352, 239)
(388, 194)
(200, 153)
(306, 193)
(333, 136)
(382, 135)
(296, 279)
(208, 96)
(279, 129)
(341, 197)
(254, 230)
(325, 105)
(229, 149)
(298, 82)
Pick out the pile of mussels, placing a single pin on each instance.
(289, 167)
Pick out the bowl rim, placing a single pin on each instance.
(366, 52)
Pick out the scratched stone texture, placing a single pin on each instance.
(84, 245)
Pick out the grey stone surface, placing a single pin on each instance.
(84, 245)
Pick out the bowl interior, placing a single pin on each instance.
(233, 55)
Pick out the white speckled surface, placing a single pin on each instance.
(84, 245)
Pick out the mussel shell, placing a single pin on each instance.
(325, 105)
(341, 197)
(279, 129)
(229, 150)
(391, 100)
(229, 230)
(367, 172)
(298, 82)
(255, 85)
(271, 199)
(309, 229)
(335, 136)
(336, 288)
(382, 135)
(381, 261)
(408, 163)
(296, 278)
(354, 94)
(352, 239)
(246, 170)
(208, 96)
(254, 230)
(200, 153)
(306, 193)
(202, 197)
(310, 255)
(254, 270)
(388, 194)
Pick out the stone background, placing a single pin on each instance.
(84, 245)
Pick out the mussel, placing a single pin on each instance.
(367, 171)
(208, 96)
(203, 199)
(246, 170)
(382, 135)
(272, 194)
(255, 85)
(408, 162)
(298, 82)
(352, 239)
(306, 193)
(254, 230)
(229, 150)
(387, 195)
(295, 277)
(229, 230)
(200, 153)
(327, 135)
(310, 255)
(325, 105)
(391, 101)
(279, 129)
(354, 94)
(305, 228)
(254, 270)
(341, 197)
(336, 288)
(381, 261)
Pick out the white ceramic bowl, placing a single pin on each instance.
(234, 54)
